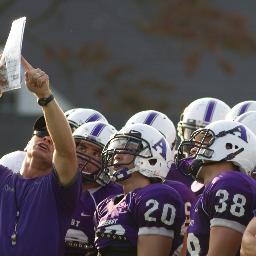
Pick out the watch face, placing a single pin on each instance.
(41, 102)
(45, 101)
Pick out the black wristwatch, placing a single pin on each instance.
(44, 101)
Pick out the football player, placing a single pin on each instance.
(197, 114)
(224, 156)
(147, 218)
(90, 139)
(165, 126)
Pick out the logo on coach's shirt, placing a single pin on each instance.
(7, 188)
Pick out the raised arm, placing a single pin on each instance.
(64, 157)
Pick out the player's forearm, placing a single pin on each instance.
(151, 245)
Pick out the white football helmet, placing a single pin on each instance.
(159, 121)
(224, 140)
(152, 153)
(241, 108)
(68, 112)
(84, 115)
(200, 113)
(97, 133)
(13, 160)
(249, 120)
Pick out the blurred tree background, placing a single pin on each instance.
(121, 57)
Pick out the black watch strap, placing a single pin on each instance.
(44, 101)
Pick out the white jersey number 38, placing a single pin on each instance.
(237, 206)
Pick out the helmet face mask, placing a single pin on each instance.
(199, 142)
(186, 128)
(129, 147)
(89, 161)
(137, 148)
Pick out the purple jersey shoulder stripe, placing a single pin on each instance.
(209, 111)
(243, 109)
(92, 118)
(150, 118)
(97, 129)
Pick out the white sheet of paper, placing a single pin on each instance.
(12, 55)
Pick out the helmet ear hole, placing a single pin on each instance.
(229, 146)
(152, 162)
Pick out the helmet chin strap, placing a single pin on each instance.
(197, 164)
(123, 174)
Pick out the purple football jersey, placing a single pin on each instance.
(45, 210)
(178, 174)
(188, 198)
(80, 235)
(227, 201)
(155, 209)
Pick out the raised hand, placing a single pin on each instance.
(36, 80)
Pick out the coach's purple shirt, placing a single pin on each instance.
(45, 208)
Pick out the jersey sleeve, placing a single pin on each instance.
(159, 211)
(229, 203)
(66, 196)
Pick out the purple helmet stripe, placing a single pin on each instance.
(92, 118)
(150, 118)
(244, 108)
(97, 129)
(209, 111)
